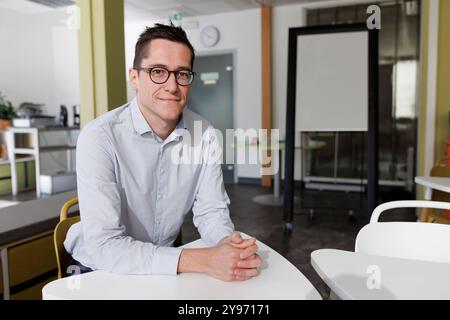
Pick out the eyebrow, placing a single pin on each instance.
(166, 67)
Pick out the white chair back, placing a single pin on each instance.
(409, 240)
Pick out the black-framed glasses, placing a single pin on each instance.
(160, 75)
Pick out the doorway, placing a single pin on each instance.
(212, 98)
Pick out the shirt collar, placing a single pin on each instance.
(181, 124)
(141, 126)
(139, 123)
(179, 129)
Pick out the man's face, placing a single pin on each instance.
(166, 101)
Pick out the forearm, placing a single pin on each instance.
(126, 255)
(212, 225)
(193, 260)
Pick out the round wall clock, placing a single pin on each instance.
(209, 36)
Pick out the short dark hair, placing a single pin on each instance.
(160, 31)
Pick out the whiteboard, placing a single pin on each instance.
(332, 82)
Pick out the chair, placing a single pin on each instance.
(179, 240)
(439, 170)
(409, 240)
(63, 258)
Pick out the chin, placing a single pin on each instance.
(171, 115)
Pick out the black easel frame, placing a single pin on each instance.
(372, 154)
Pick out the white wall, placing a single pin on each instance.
(132, 31)
(39, 64)
(66, 69)
(39, 59)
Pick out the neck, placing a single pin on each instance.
(162, 128)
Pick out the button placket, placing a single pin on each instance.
(159, 194)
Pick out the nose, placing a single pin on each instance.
(171, 84)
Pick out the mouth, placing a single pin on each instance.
(170, 99)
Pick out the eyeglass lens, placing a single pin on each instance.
(161, 75)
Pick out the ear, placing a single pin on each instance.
(133, 75)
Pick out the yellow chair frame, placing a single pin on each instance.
(63, 258)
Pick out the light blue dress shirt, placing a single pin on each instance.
(134, 194)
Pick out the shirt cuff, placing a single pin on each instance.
(165, 260)
(218, 234)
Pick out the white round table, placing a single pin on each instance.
(278, 279)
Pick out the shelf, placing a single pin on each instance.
(43, 149)
(56, 148)
(31, 146)
(42, 129)
(24, 151)
(59, 128)
(25, 159)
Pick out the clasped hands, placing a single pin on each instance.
(237, 258)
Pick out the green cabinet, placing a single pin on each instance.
(25, 176)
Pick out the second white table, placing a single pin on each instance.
(358, 276)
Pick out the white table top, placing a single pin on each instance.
(351, 274)
(278, 279)
(437, 183)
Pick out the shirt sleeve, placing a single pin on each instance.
(211, 215)
(105, 237)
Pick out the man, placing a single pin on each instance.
(133, 196)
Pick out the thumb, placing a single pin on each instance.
(236, 237)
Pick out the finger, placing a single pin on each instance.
(238, 278)
(244, 244)
(248, 252)
(248, 264)
(236, 237)
(245, 272)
